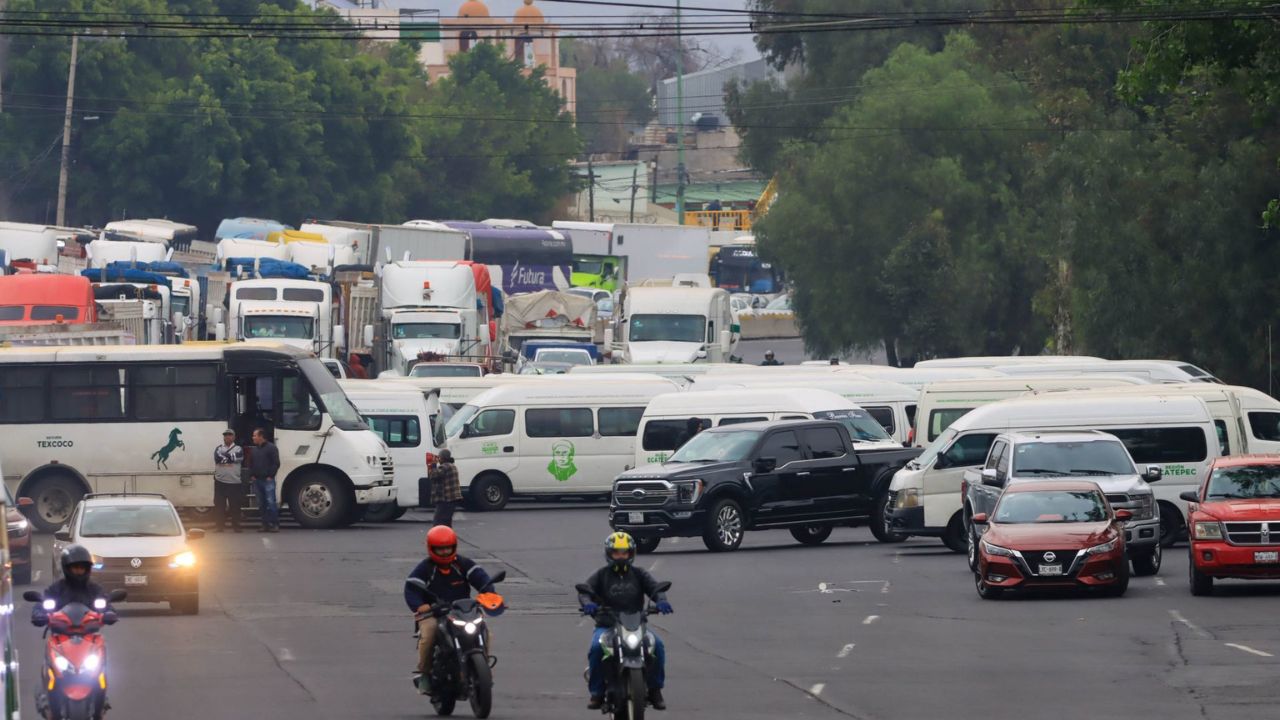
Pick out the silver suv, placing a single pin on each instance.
(1092, 455)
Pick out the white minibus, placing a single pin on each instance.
(560, 436)
(1161, 371)
(665, 425)
(146, 418)
(991, 361)
(404, 416)
(1176, 433)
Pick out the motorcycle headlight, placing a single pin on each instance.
(908, 498)
(470, 628)
(99, 604)
(996, 549)
(49, 605)
(688, 492)
(91, 663)
(1103, 548)
(183, 560)
(459, 623)
(632, 639)
(61, 663)
(1208, 530)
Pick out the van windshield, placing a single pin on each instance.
(671, 328)
(459, 420)
(717, 447)
(1099, 457)
(925, 459)
(862, 427)
(335, 402)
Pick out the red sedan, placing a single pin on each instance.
(1055, 534)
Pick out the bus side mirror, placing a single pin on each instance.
(368, 336)
(1153, 473)
(339, 336)
(220, 331)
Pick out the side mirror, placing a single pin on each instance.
(1124, 515)
(979, 519)
(63, 535)
(33, 596)
(1190, 496)
(195, 534)
(990, 478)
(502, 575)
(116, 596)
(368, 336)
(1153, 473)
(664, 586)
(941, 462)
(339, 336)
(765, 465)
(220, 331)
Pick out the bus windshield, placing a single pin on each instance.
(335, 402)
(671, 328)
(278, 326)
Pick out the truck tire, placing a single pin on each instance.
(646, 545)
(55, 496)
(489, 492)
(953, 537)
(880, 521)
(1201, 584)
(319, 501)
(726, 525)
(383, 512)
(811, 534)
(1147, 562)
(1171, 525)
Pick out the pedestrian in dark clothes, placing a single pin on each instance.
(264, 463)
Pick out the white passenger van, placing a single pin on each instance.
(915, 377)
(146, 418)
(684, 374)
(558, 436)
(665, 425)
(943, 403)
(1176, 433)
(891, 404)
(1161, 371)
(404, 416)
(991, 361)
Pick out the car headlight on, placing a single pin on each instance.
(183, 560)
(61, 663)
(1102, 549)
(907, 498)
(18, 526)
(632, 639)
(688, 491)
(1208, 531)
(996, 549)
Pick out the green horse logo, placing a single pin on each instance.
(161, 456)
(561, 466)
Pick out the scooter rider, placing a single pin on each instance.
(448, 577)
(622, 587)
(74, 587)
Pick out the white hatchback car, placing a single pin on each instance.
(138, 545)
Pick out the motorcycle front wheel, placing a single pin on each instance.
(80, 709)
(444, 703)
(481, 686)
(632, 707)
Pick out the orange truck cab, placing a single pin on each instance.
(33, 299)
(1234, 520)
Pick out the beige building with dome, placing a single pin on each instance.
(527, 37)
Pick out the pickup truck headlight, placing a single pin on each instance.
(996, 549)
(1102, 549)
(907, 498)
(1208, 531)
(18, 526)
(688, 491)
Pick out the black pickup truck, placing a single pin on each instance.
(802, 475)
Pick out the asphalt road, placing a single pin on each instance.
(311, 625)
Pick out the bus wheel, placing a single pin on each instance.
(55, 498)
(320, 501)
(489, 492)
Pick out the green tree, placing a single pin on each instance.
(612, 98)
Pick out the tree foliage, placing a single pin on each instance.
(612, 98)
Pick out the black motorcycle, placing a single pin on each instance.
(460, 667)
(628, 658)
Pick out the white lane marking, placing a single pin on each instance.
(816, 689)
(654, 566)
(36, 576)
(897, 557)
(39, 549)
(266, 542)
(286, 655)
(1160, 582)
(844, 651)
(885, 590)
(1178, 618)
(870, 619)
(1246, 648)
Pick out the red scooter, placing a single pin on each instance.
(74, 683)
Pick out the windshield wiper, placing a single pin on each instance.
(1038, 471)
(1232, 496)
(1092, 472)
(143, 534)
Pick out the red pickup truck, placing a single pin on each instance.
(1235, 522)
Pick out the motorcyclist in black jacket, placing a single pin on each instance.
(74, 587)
(622, 587)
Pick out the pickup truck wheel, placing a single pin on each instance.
(953, 537)
(1147, 562)
(1171, 525)
(725, 526)
(811, 534)
(880, 521)
(1201, 584)
(646, 545)
(985, 591)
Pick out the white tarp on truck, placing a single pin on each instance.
(548, 310)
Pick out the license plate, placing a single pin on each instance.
(1050, 570)
(1266, 557)
(635, 518)
(135, 579)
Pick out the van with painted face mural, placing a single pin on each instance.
(1175, 433)
(555, 436)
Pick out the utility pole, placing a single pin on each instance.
(635, 174)
(591, 191)
(680, 171)
(66, 135)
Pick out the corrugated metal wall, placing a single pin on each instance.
(704, 91)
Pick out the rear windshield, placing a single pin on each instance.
(51, 312)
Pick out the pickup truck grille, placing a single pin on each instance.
(1253, 533)
(388, 470)
(1142, 506)
(642, 494)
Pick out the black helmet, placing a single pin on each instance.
(76, 555)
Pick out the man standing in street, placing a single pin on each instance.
(228, 492)
(264, 463)
(446, 493)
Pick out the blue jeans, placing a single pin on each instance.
(266, 490)
(595, 664)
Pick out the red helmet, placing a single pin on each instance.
(442, 544)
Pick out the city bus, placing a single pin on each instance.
(75, 420)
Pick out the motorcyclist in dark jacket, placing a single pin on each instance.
(74, 587)
(620, 586)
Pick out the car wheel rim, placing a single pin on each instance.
(493, 494)
(973, 551)
(1156, 556)
(814, 530)
(54, 505)
(316, 500)
(729, 525)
